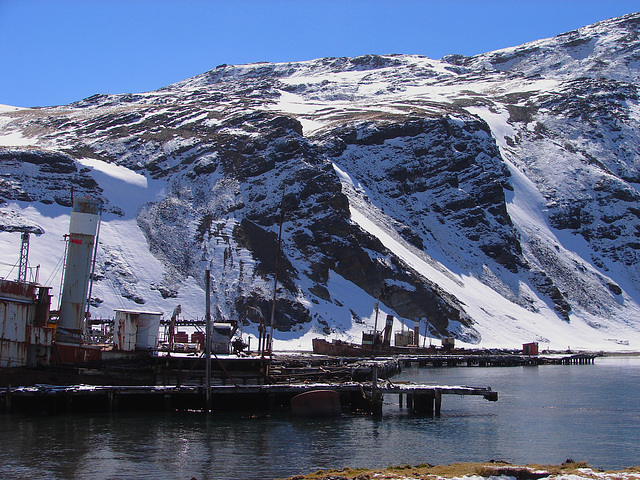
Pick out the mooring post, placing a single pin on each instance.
(7, 400)
(429, 402)
(423, 403)
(68, 402)
(374, 377)
(438, 400)
(376, 394)
(418, 403)
(400, 399)
(376, 406)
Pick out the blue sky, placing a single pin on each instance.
(54, 52)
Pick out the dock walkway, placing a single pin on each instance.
(355, 397)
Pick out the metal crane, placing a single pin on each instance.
(24, 247)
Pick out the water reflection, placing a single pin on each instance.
(544, 415)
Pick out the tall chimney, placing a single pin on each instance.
(82, 232)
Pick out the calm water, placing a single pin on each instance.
(544, 415)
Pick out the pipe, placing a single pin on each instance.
(275, 280)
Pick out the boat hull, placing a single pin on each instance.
(316, 403)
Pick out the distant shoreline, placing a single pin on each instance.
(621, 354)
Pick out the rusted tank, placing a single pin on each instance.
(137, 330)
(25, 339)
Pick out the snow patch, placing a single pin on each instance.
(15, 140)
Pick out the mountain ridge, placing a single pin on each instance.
(498, 203)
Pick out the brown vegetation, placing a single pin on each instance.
(493, 468)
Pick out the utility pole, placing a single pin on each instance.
(375, 329)
(207, 337)
(275, 280)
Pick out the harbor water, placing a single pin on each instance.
(544, 414)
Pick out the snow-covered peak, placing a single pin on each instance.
(607, 49)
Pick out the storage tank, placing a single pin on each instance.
(221, 334)
(404, 338)
(136, 330)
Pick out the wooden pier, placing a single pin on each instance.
(355, 397)
(501, 360)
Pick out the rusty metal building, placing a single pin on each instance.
(25, 337)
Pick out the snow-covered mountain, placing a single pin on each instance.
(495, 196)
